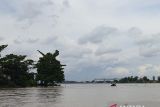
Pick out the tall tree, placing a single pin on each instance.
(16, 69)
(49, 69)
(2, 76)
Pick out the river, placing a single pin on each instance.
(82, 95)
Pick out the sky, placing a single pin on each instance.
(96, 38)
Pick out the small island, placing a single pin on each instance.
(18, 71)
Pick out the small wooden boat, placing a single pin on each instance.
(113, 84)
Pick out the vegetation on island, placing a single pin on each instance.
(135, 79)
(17, 70)
(49, 69)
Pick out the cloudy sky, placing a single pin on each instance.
(96, 38)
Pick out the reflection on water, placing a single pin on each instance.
(82, 95)
(29, 97)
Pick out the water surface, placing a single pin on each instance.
(82, 95)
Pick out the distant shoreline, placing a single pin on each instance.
(130, 79)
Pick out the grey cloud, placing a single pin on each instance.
(1, 38)
(109, 62)
(149, 40)
(85, 72)
(6, 7)
(76, 53)
(91, 67)
(149, 46)
(148, 51)
(16, 41)
(50, 40)
(98, 35)
(101, 48)
(32, 40)
(49, 2)
(21, 9)
(29, 10)
(116, 72)
(66, 3)
(134, 31)
(102, 51)
(145, 41)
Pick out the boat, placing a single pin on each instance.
(113, 84)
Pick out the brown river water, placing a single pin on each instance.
(82, 95)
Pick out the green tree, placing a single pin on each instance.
(124, 80)
(2, 47)
(49, 69)
(135, 79)
(158, 78)
(2, 76)
(16, 69)
(145, 79)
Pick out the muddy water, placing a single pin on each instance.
(82, 95)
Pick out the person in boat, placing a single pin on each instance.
(113, 84)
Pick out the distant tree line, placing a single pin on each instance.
(136, 79)
(16, 70)
(130, 79)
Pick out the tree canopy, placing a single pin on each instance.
(16, 70)
(135, 79)
(49, 69)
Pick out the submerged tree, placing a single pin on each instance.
(49, 69)
(2, 76)
(16, 69)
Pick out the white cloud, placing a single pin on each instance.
(98, 35)
(121, 71)
(94, 38)
(149, 45)
(149, 70)
(116, 72)
(107, 50)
